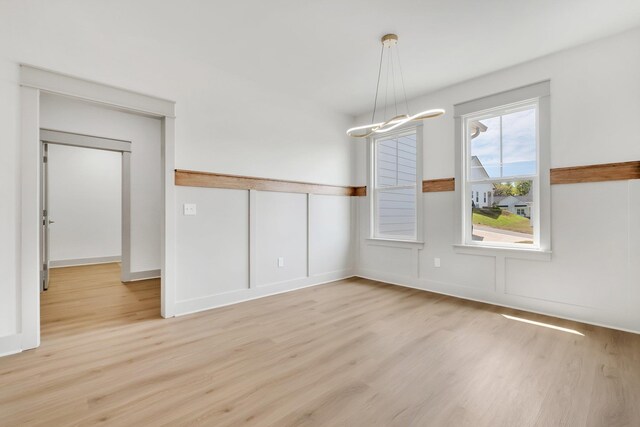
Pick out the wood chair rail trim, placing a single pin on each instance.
(437, 185)
(567, 175)
(596, 173)
(216, 180)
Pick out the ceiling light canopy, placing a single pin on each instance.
(392, 72)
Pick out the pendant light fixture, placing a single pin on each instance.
(392, 72)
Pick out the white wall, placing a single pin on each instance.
(593, 273)
(85, 199)
(64, 114)
(224, 123)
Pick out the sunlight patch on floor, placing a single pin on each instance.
(546, 325)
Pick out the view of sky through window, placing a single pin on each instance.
(508, 147)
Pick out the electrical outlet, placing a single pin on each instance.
(280, 261)
(189, 209)
(436, 262)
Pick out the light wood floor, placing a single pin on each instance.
(351, 353)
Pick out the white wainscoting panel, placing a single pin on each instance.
(330, 234)
(390, 260)
(281, 231)
(589, 263)
(228, 252)
(212, 246)
(479, 272)
(593, 274)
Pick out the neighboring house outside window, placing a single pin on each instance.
(519, 205)
(479, 172)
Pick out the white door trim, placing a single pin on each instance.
(33, 81)
(48, 136)
(63, 84)
(87, 141)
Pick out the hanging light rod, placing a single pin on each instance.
(390, 41)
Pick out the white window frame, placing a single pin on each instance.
(468, 219)
(373, 234)
(536, 94)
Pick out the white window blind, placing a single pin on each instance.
(395, 186)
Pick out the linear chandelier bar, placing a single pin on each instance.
(389, 43)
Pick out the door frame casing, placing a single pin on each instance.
(50, 136)
(33, 81)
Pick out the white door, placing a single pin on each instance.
(44, 272)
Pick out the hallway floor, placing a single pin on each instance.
(85, 298)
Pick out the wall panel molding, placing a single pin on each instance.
(237, 182)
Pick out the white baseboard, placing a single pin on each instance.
(143, 275)
(131, 277)
(10, 344)
(233, 297)
(84, 261)
(576, 313)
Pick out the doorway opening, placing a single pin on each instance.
(86, 277)
(99, 240)
(86, 186)
(82, 223)
(35, 83)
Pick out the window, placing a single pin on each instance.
(503, 151)
(501, 158)
(396, 183)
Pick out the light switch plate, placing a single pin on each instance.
(189, 209)
(436, 262)
(280, 261)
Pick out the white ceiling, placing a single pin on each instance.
(328, 50)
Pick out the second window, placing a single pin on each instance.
(396, 176)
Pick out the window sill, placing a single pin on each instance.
(531, 254)
(395, 243)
